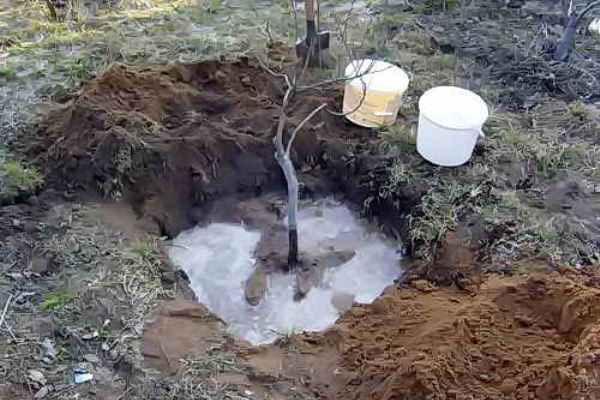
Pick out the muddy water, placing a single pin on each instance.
(218, 258)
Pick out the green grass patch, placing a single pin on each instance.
(440, 211)
(16, 179)
(8, 73)
(56, 300)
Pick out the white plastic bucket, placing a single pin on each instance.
(594, 27)
(382, 85)
(450, 121)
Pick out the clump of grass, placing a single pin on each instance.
(518, 230)
(216, 362)
(400, 175)
(433, 6)
(17, 180)
(141, 276)
(550, 154)
(398, 137)
(440, 211)
(57, 300)
(8, 73)
(577, 109)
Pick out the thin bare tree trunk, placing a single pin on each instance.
(292, 188)
(567, 42)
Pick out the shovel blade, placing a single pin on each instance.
(319, 43)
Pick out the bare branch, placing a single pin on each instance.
(281, 125)
(275, 74)
(5, 309)
(300, 125)
(341, 79)
(360, 103)
(586, 10)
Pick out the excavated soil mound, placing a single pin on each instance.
(519, 338)
(171, 138)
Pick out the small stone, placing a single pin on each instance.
(105, 346)
(508, 386)
(43, 392)
(90, 336)
(50, 352)
(40, 264)
(16, 223)
(256, 286)
(36, 376)
(83, 378)
(423, 286)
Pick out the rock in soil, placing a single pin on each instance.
(256, 286)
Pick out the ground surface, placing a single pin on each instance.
(121, 149)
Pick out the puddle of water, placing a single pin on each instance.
(219, 259)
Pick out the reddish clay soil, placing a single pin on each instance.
(535, 337)
(521, 338)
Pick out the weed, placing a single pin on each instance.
(8, 73)
(214, 363)
(398, 137)
(578, 110)
(399, 175)
(439, 212)
(18, 180)
(433, 6)
(56, 301)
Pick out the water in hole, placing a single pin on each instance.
(218, 259)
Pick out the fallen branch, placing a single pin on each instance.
(3, 316)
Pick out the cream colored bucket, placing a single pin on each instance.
(382, 85)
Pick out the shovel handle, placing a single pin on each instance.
(310, 10)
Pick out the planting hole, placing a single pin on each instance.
(219, 259)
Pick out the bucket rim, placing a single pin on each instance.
(403, 75)
(484, 117)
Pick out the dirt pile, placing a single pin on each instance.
(518, 338)
(171, 138)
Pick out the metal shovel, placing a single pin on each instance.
(315, 41)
